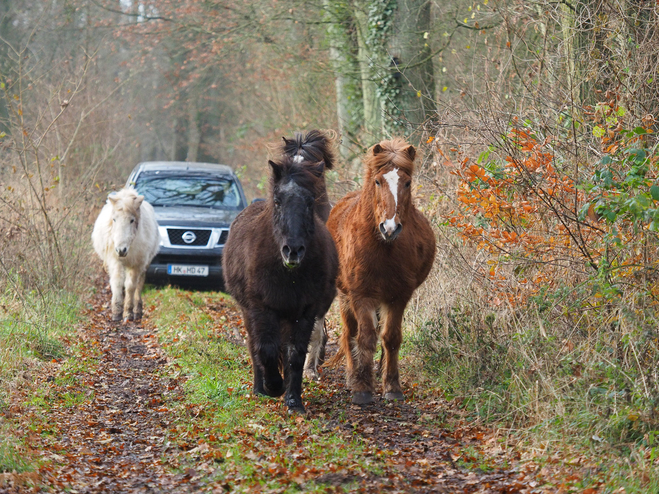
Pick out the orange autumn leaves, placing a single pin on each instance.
(520, 209)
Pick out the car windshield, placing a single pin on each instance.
(202, 191)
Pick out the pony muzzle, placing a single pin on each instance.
(121, 251)
(292, 255)
(390, 230)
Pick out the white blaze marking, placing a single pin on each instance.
(298, 159)
(289, 187)
(392, 181)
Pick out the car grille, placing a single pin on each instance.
(223, 237)
(173, 259)
(176, 236)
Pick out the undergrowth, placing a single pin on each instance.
(33, 325)
(571, 387)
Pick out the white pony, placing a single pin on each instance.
(126, 238)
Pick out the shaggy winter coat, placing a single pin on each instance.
(126, 239)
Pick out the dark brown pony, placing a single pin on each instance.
(280, 264)
(386, 249)
(313, 147)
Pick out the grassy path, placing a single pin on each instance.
(165, 406)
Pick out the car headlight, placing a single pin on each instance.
(164, 237)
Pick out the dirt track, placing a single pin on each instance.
(116, 438)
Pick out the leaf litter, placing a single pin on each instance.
(111, 425)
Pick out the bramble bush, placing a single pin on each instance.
(557, 327)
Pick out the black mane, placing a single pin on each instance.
(314, 147)
(299, 172)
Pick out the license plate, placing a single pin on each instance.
(187, 270)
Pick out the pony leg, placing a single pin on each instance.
(300, 335)
(316, 353)
(361, 377)
(130, 284)
(137, 298)
(265, 345)
(117, 276)
(348, 336)
(392, 337)
(257, 366)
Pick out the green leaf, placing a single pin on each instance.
(609, 215)
(640, 131)
(643, 201)
(606, 160)
(599, 131)
(639, 155)
(483, 157)
(654, 192)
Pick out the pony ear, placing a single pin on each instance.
(377, 149)
(112, 197)
(318, 169)
(411, 152)
(286, 141)
(276, 169)
(138, 201)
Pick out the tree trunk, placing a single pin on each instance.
(372, 117)
(180, 139)
(194, 132)
(339, 45)
(411, 62)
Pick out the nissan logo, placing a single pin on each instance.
(189, 237)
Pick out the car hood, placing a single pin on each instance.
(192, 216)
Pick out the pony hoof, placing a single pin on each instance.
(394, 396)
(312, 375)
(116, 318)
(362, 397)
(295, 407)
(276, 391)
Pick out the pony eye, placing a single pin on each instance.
(377, 182)
(114, 220)
(277, 202)
(407, 185)
(132, 221)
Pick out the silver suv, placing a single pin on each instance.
(195, 204)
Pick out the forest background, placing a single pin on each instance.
(536, 123)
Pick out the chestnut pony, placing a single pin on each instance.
(386, 249)
(280, 264)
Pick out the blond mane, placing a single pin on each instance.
(126, 200)
(394, 152)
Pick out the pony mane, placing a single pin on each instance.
(315, 146)
(126, 200)
(393, 152)
(297, 171)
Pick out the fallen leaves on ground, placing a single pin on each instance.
(109, 424)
